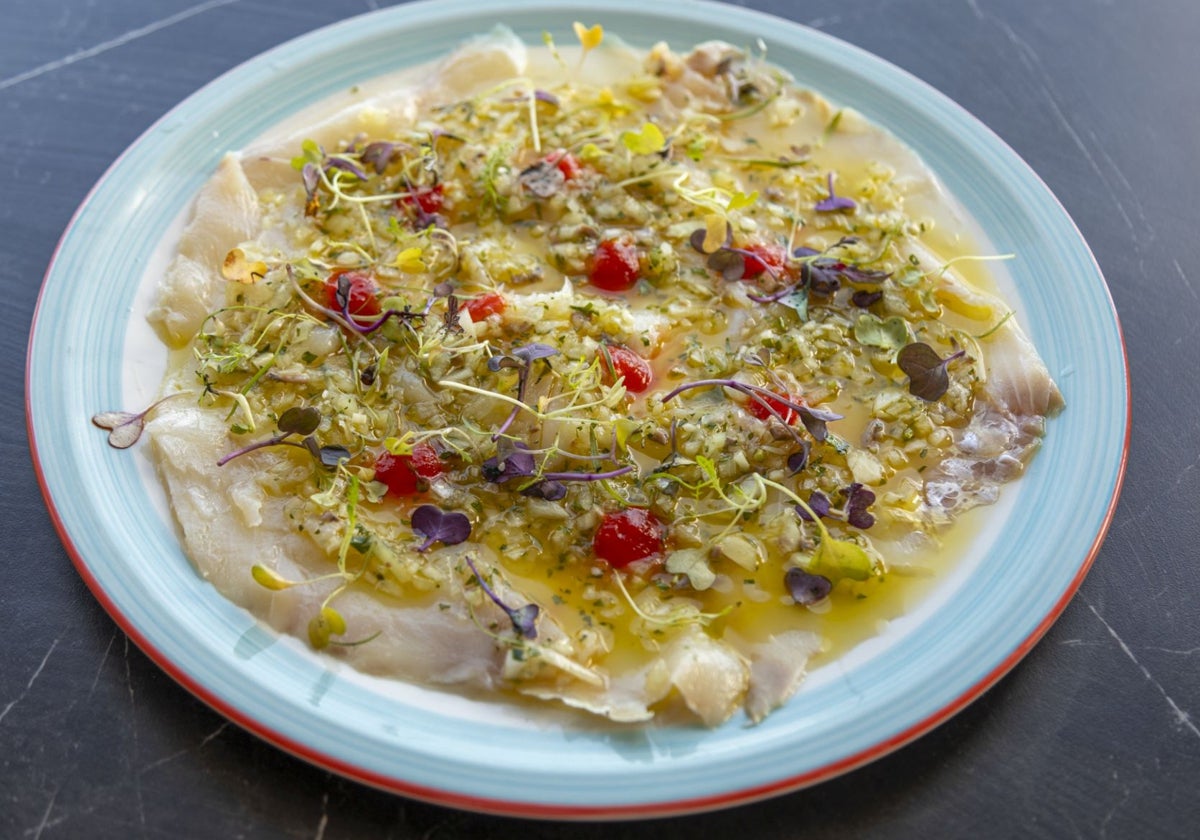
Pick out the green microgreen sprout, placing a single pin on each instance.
(297, 420)
(833, 558)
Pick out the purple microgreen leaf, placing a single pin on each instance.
(729, 264)
(436, 525)
(797, 461)
(514, 462)
(858, 499)
(543, 179)
(529, 353)
(331, 456)
(822, 277)
(834, 202)
(814, 419)
(496, 363)
(311, 176)
(819, 503)
(551, 491)
(926, 370)
(524, 619)
(345, 165)
(803, 251)
(545, 96)
(863, 299)
(806, 588)
(125, 427)
(378, 155)
(299, 420)
(862, 276)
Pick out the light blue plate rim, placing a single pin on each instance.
(133, 564)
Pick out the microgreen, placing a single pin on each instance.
(328, 622)
(834, 202)
(805, 587)
(926, 370)
(512, 460)
(814, 419)
(857, 499)
(125, 427)
(521, 358)
(342, 295)
(379, 154)
(833, 558)
(524, 619)
(297, 420)
(648, 140)
(436, 525)
(873, 331)
(589, 37)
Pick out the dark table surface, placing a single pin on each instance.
(1093, 735)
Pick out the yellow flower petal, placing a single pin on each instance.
(645, 142)
(589, 38)
(715, 231)
(740, 200)
(237, 268)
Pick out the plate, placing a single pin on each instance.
(489, 756)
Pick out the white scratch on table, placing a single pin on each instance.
(36, 832)
(133, 728)
(1113, 810)
(167, 759)
(13, 703)
(1032, 62)
(1183, 276)
(1181, 717)
(100, 667)
(113, 43)
(324, 821)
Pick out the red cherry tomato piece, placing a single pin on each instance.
(429, 199)
(762, 257)
(614, 266)
(361, 297)
(403, 473)
(628, 536)
(485, 305)
(785, 411)
(626, 363)
(568, 165)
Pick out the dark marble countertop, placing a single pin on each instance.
(1095, 734)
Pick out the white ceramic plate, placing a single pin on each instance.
(490, 756)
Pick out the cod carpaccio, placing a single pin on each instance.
(636, 381)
